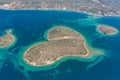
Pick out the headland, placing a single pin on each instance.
(62, 42)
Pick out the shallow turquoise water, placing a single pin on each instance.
(30, 26)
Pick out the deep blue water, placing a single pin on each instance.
(29, 26)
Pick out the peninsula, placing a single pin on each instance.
(107, 30)
(7, 39)
(62, 42)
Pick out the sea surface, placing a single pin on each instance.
(29, 27)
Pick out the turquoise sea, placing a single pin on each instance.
(30, 26)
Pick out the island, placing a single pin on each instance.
(7, 39)
(62, 42)
(107, 30)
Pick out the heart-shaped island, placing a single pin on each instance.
(62, 42)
